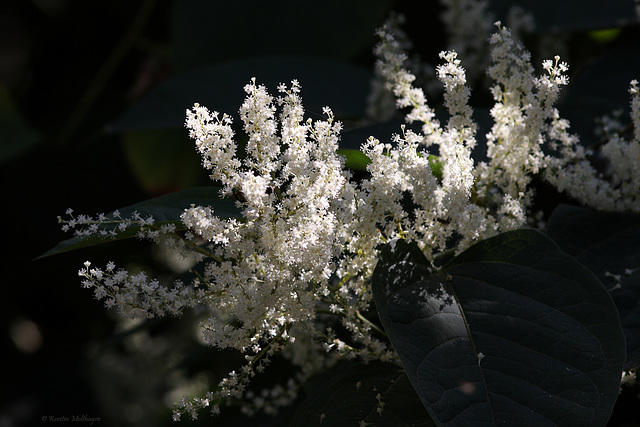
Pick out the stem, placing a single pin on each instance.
(372, 325)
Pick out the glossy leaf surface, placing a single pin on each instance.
(607, 243)
(511, 331)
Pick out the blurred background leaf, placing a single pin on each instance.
(205, 32)
(325, 82)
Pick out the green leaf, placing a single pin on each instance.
(512, 331)
(436, 166)
(348, 394)
(571, 15)
(607, 244)
(355, 159)
(606, 35)
(164, 209)
(340, 85)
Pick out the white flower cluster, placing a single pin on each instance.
(307, 243)
(85, 226)
(112, 226)
(529, 137)
(137, 296)
(523, 106)
(270, 267)
(381, 103)
(452, 205)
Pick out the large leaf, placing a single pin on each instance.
(164, 209)
(513, 331)
(340, 85)
(350, 393)
(205, 31)
(607, 244)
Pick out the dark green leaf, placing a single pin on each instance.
(206, 31)
(339, 85)
(348, 394)
(165, 209)
(607, 244)
(513, 331)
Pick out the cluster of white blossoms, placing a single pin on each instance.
(306, 245)
(85, 226)
(268, 269)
